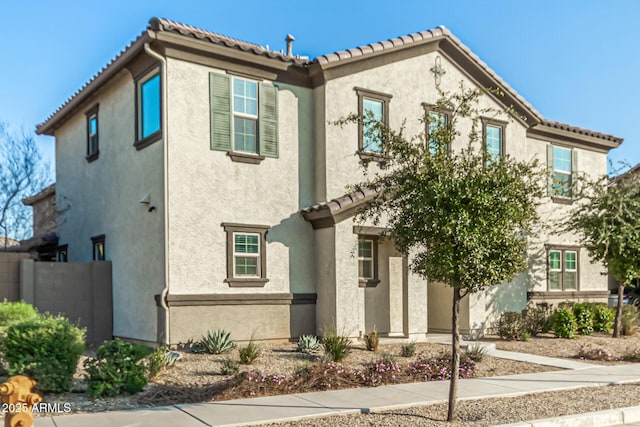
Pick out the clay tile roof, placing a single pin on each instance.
(161, 24)
(581, 131)
(343, 202)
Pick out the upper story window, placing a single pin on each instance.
(563, 269)
(246, 254)
(92, 134)
(561, 163)
(373, 107)
(435, 122)
(244, 118)
(148, 109)
(98, 247)
(493, 139)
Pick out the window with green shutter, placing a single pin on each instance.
(244, 118)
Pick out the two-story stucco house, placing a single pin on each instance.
(209, 172)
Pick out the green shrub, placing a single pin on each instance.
(117, 368)
(229, 367)
(216, 342)
(372, 340)
(408, 349)
(249, 353)
(603, 318)
(46, 348)
(511, 326)
(564, 323)
(336, 346)
(11, 312)
(537, 319)
(308, 343)
(629, 320)
(159, 360)
(584, 318)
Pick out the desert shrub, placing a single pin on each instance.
(216, 342)
(629, 320)
(12, 312)
(159, 360)
(371, 341)
(476, 352)
(408, 349)
(336, 346)
(595, 352)
(603, 318)
(564, 323)
(511, 326)
(439, 368)
(584, 318)
(46, 348)
(308, 343)
(117, 368)
(382, 371)
(249, 353)
(229, 367)
(536, 319)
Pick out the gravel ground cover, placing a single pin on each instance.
(197, 377)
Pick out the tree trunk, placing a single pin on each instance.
(617, 325)
(455, 354)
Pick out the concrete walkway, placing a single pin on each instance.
(363, 400)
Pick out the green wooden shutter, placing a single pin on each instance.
(220, 94)
(550, 170)
(268, 118)
(574, 172)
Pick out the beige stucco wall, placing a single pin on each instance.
(102, 197)
(206, 188)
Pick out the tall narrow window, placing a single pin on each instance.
(563, 269)
(92, 134)
(436, 122)
(368, 261)
(63, 253)
(561, 172)
(245, 115)
(373, 108)
(98, 247)
(149, 110)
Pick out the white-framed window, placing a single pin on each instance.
(563, 269)
(246, 255)
(365, 258)
(245, 115)
(562, 172)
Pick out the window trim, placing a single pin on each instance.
(372, 282)
(385, 98)
(431, 108)
(91, 113)
(558, 198)
(563, 249)
(99, 240)
(60, 250)
(502, 125)
(145, 76)
(231, 229)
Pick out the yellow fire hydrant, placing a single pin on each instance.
(18, 400)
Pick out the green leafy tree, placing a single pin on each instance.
(461, 216)
(607, 220)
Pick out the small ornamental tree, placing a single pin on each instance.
(607, 219)
(462, 216)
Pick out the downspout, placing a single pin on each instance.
(165, 168)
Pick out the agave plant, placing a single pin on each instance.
(216, 342)
(308, 343)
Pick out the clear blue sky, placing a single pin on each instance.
(575, 61)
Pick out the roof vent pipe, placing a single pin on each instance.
(289, 39)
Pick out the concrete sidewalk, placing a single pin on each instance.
(362, 400)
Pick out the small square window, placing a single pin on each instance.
(246, 255)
